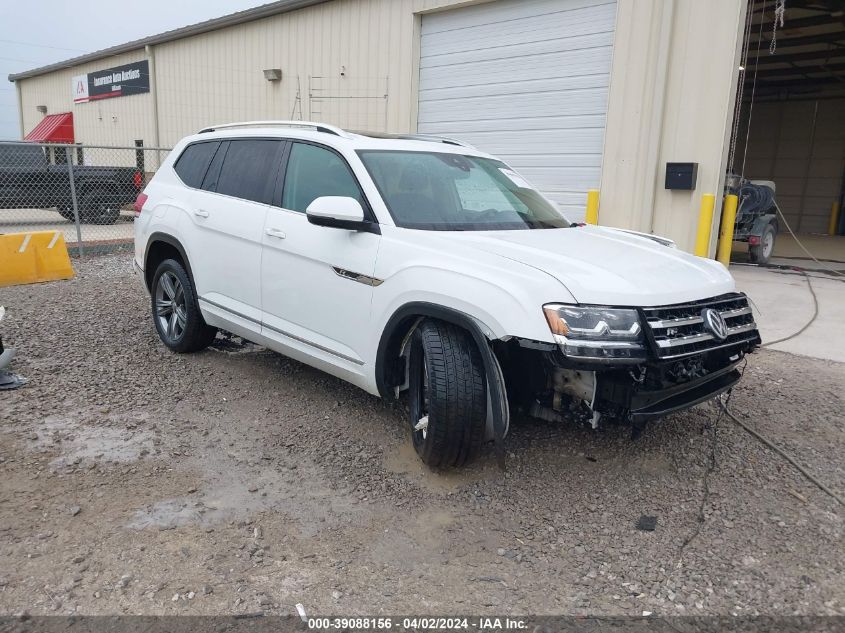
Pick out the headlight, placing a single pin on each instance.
(596, 333)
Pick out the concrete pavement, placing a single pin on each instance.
(784, 304)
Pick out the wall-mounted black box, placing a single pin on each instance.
(681, 176)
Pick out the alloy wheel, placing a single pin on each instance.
(170, 307)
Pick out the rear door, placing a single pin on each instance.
(317, 283)
(228, 214)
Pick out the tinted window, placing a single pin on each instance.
(314, 172)
(22, 157)
(209, 183)
(247, 169)
(193, 163)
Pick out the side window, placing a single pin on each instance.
(314, 172)
(194, 161)
(248, 168)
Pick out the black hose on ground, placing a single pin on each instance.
(780, 452)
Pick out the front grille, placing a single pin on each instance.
(679, 330)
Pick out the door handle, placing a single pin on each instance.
(276, 233)
(200, 213)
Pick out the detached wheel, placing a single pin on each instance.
(761, 253)
(176, 313)
(97, 207)
(448, 395)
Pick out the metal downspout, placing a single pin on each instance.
(154, 90)
(20, 107)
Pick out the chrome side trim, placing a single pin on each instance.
(285, 334)
(230, 311)
(361, 279)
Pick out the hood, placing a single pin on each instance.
(607, 266)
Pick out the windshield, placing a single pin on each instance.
(449, 192)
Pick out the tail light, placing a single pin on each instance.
(139, 203)
(137, 180)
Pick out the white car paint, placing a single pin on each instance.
(286, 293)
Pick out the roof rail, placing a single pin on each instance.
(435, 139)
(319, 127)
(431, 138)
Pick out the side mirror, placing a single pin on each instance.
(337, 212)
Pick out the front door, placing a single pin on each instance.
(316, 282)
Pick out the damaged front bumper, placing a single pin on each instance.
(681, 361)
(640, 403)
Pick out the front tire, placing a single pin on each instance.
(176, 312)
(448, 395)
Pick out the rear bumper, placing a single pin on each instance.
(140, 276)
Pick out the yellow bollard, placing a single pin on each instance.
(705, 222)
(726, 233)
(834, 219)
(592, 206)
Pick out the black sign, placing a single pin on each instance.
(120, 81)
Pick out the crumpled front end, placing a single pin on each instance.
(632, 367)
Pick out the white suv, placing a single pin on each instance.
(420, 264)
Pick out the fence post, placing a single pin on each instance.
(139, 161)
(69, 154)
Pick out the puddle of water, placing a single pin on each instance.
(83, 443)
(231, 492)
(403, 460)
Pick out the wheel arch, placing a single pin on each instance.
(158, 246)
(401, 324)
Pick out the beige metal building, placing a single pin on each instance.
(574, 94)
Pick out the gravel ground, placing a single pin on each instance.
(239, 481)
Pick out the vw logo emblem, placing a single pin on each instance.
(715, 322)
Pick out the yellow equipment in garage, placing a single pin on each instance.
(27, 258)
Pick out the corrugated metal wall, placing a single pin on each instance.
(526, 81)
(117, 121)
(672, 95)
(671, 91)
(800, 145)
(350, 62)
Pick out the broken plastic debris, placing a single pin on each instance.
(647, 523)
(301, 611)
(8, 380)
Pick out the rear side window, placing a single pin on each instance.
(194, 161)
(22, 157)
(248, 169)
(314, 172)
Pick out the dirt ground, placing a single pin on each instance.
(136, 481)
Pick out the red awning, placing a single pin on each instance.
(54, 128)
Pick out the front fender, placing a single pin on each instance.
(492, 370)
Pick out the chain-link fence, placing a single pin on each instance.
(85, 191)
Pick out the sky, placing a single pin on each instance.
(34, 34)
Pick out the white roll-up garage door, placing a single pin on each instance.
(526, 80)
